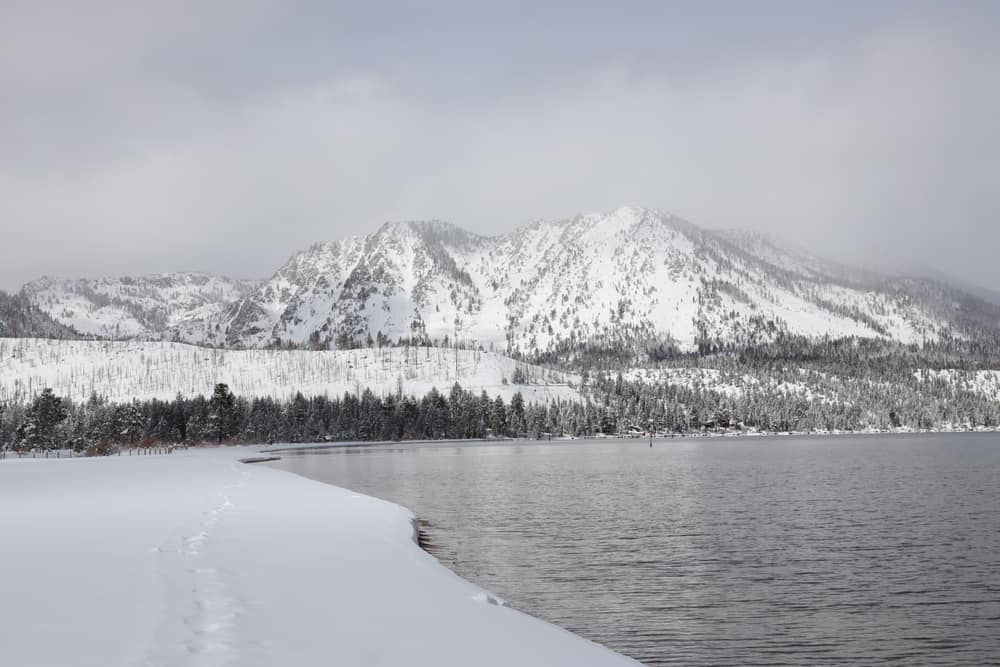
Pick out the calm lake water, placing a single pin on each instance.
(718, 551)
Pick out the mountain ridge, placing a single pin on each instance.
(133, 306)
(631, 278)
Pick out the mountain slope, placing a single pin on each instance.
(970, 312)
(127, 307)
(20, 317)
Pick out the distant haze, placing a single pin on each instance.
(152, 136)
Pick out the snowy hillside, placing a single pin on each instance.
(123, 370)
(20, 317)
(795, 260)
(983, 382)
(729, 384)
(127, 307)
(631, 279)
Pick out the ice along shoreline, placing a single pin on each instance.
(197, 558)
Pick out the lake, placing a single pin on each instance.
(717, 551)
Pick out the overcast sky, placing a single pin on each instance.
(140, 137)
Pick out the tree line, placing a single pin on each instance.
(760, 394)
(96, 426)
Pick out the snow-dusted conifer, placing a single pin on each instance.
(222, 413)
(38, 430)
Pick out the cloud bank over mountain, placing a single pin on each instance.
(142, 137)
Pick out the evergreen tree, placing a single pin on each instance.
(516, 419)
(222, 413)
(38, 430)
(130, 422)
(498, 417)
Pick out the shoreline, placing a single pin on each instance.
(204, 559)
(319, 446)
(9, 454)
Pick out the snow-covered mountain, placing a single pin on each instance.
(140, 307)
(797, 260)
(630, 279)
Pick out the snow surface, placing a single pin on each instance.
(123, 370)
(195, 558)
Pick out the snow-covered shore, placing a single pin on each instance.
(196, 558)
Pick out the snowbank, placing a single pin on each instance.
(195, 558)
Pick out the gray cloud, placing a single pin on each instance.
(162, 136)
